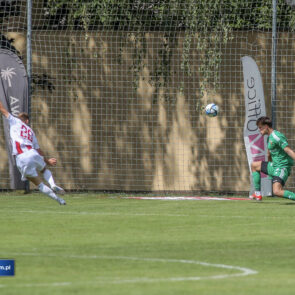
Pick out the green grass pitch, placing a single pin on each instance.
(105, 244)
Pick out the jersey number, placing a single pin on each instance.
(26, 133)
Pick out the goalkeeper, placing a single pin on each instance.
(280, 161)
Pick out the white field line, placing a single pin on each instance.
(183, 198)
(241, 271)
(246, 217)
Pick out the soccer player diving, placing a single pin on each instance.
(280, 161)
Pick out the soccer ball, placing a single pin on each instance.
(211, 110)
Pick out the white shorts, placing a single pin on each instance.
(29, 163)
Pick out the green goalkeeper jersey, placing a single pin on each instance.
(276, 143)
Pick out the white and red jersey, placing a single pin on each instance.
(22, 136)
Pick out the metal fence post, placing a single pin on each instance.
(273, 62)
(29, 65)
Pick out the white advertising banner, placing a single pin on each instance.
(255, 143)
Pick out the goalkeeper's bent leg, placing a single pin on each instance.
(279, 192)
(289, 195)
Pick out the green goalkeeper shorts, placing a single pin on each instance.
(278, 174)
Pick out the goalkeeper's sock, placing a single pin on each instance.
(49, 178)
(289, 195)
(256, 180)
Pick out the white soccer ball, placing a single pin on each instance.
(211, 110)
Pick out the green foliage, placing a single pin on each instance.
(163, 15)
(211, 21)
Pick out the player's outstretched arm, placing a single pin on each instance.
(3, 110)
(49, 161)
(290, 152)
